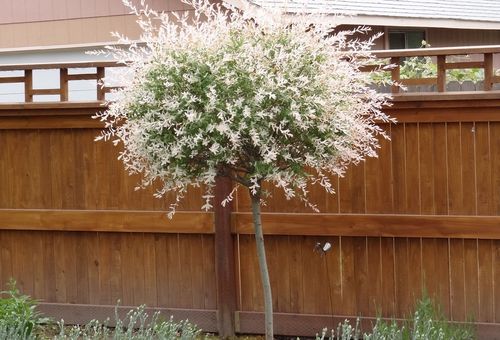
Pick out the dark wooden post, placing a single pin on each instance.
(395, 74)
(224, 259)
(441, 73)
(63, 79)
(28, 86)
(101, 93)
(488, 71)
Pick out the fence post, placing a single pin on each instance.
(395, 74)
(488, 72)
(441, 73)
(224, 259)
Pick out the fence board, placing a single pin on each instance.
(457, 280)
(486, 281)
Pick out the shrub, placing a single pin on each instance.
(427, 323)
(137, 325)
(18, 315)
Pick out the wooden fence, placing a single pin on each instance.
(423, 215)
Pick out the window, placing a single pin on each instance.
(406, 39)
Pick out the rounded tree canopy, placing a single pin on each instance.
(253, 95)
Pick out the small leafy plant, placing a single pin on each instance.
(18, 315)
(427, 323)
(137, 325)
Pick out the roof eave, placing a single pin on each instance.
(369, 20)
(412, 22)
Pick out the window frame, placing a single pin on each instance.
(405, 30)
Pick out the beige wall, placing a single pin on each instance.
(28, 23)
(19, 11)
(63, 32)
(31, 23)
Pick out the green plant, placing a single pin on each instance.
(18, 315)
(427, 323)
(137, 325)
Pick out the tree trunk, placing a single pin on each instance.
(264, 273)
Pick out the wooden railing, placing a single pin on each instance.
(396, 58)
(64, 78)
(483, 59)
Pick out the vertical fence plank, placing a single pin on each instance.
(162, 272)
(296, 274)
(412, 168)
(374, 276)
(349, 297)
(484, 199)
(426, 166)
(398, 159)
(457, 280)
(150, 279)
(402, 273)
(467, 138)
(440, 171)
(334, 271)
(486, 281)
(496, 278)
(454, 167)
(379, 188)
(388, 280)
(471, 279)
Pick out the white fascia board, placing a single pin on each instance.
(368, 20)
(411, 22)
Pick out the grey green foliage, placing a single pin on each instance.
(137, 325)
(427, 323)
(18, 315)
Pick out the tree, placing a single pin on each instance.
(253, 96)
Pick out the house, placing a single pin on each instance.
(442, 23)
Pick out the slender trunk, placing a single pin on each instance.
(264, 273)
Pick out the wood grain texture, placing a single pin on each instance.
(106, 221)
(438, 226)
(102, 268)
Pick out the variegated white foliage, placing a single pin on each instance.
(254, 95)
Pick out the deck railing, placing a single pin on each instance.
(448, 58)
(444, 59)
(65, 77)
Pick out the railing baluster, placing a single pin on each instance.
(63, 79)
(441, 73)
(395, 74)
(28, 86)
(101, 93)
(488, 72)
